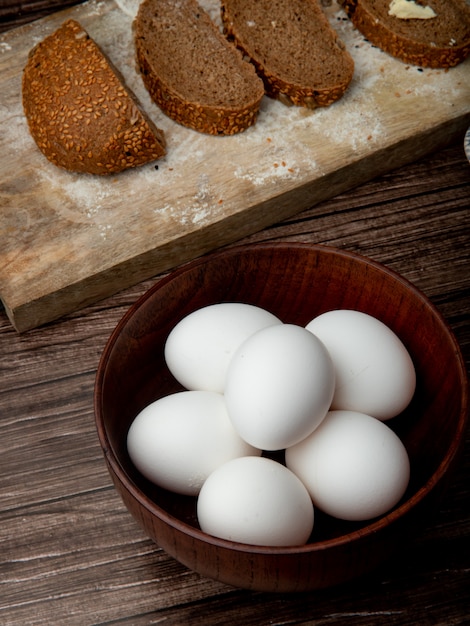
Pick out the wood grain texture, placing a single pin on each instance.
(70, 553)
(67, 241)
(14, 13)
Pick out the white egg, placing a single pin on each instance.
(199, 348)
(353, 465)
(178, 440)
(374, 371)
(279, 386)
(258, 501)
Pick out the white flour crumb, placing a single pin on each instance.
(201, 216)
(95, 6)
(130, 7)
(103, 230)
(275, 170)
(212, 7)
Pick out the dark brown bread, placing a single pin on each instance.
(191, 71)
(79, 112)
(440, 42)
(293, 47)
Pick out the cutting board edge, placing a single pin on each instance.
(50, 307)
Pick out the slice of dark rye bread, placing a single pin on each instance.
(190, 70)
(439, 42)
(79, 112)
(293, 46)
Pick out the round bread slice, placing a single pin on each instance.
(442, 41)
(190, 70)
(79, 112)
(293, 47)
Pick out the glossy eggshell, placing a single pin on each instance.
(200, 347)
(374, 372)
(353, 465)
(178, 440)
(279, 386)
(295, 282)
(256, 500)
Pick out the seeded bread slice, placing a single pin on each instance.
(79, 112)
(190, 70)
(442, 41)
(295, 50)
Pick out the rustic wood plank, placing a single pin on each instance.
(69, 551)
(127, 579)
(14, 14)
(68, 240)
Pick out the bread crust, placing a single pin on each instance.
(206, 119)
(402, 45)
(79, 113)
(281, 84)
(181, 106)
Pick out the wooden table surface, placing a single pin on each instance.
(70, 553)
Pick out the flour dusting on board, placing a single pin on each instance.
(351, 124)
(88, 224)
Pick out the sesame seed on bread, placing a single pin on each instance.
(293, 46)
(79, 112)
(190, 70)
(442, 41)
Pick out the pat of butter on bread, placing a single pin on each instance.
(409, 9)
(440, 41)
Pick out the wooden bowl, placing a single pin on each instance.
(295, 282)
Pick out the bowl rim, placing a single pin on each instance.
(385, 521)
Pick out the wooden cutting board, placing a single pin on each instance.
(69, 240)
